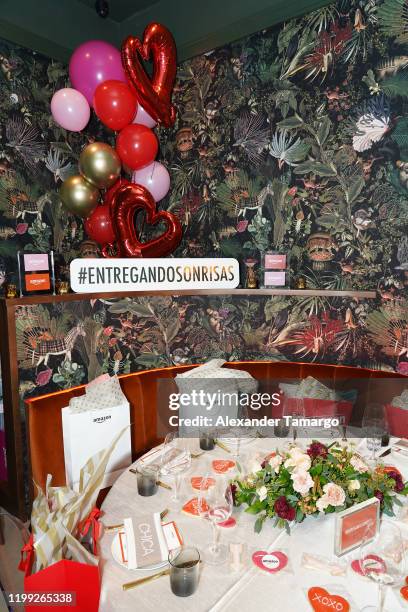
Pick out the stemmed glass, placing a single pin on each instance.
(383, 561)
(175, 460)
(215, 503)
(374, 427)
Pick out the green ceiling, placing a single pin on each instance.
(56, 27)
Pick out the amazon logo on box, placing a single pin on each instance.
(37, 282)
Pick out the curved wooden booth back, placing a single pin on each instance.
(44, 424)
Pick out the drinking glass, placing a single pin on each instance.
(374, 427)
(147, 479)
(215, 504)
(383, 561)
(184, 570)
(175, 460)
(207, 439)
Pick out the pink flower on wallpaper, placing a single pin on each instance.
(402, 368)
(43, 377)
(241, 226)
(112, 341)
(21, 228)
(292, 191)
(108, 330)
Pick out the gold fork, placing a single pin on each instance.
(135, 583)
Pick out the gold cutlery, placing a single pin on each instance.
(159, 482)
(196, 455)
(221, 445)
(164, 485)
(108, 528)
(135, 583)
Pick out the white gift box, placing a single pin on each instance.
(90, 430)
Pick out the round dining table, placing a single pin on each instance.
(220, 588)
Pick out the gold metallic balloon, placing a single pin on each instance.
(100, 165)
(79, 196)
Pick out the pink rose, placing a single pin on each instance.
(358, 464)
(298, 460)
(302, 482)
(292, 191)
(333, 495)
(108, 330)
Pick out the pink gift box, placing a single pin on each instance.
(275, 261)
(38, 261)
(277, 279)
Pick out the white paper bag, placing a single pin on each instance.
(90, 431)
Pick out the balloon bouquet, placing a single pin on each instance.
(131, 103)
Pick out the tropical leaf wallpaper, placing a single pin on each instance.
(295, 138)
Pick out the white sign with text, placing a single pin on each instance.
(110, 275)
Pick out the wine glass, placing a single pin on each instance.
(374, 427)
(215, 504)
(383, 561)
(175, 460)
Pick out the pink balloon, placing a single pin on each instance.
(91, 64)
(144, 118)
(155, 178)
(70, 109)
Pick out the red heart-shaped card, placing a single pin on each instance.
(270, 562)
(323, 601)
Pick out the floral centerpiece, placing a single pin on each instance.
(289, 486)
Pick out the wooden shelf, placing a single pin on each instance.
(77, 297)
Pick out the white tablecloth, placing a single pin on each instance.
(220, 589)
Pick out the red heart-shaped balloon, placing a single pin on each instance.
(125, 203)
(154, 93)
(323, 601)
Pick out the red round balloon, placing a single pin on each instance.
(99, 225)
(136, 146)
(115, 104)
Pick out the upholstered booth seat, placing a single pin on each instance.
(44, 425)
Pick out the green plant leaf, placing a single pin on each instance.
(291, 123)
(315, 167)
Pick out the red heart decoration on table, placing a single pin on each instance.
(323, 601)
(154, 93)
(125, 203)
(381, 565)
(270, 562)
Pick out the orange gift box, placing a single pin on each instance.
(397, 419)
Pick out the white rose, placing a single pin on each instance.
(275, 463)
(302, 482)
(254, 466)
(354, 485)
(298, 460)
(322, 503)
(262, 493)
